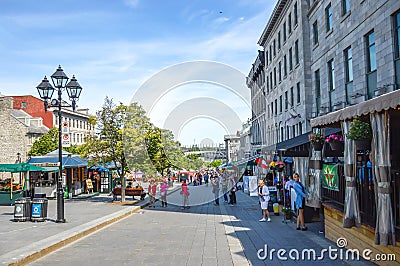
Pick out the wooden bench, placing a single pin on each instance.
(131, 192)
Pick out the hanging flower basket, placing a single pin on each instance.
(363, 144)
(336, 146)
(318, 146)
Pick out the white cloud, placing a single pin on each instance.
(132, 3)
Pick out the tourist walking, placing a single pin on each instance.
(215, 190)
(263, 195)
(185, 195)
(224, 188)
(232, 191)
(152, 190)
(163, 193)
(300, 201)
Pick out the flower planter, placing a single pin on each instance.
(363, 144)
(5, 196)
(337, 146)
(318, 146)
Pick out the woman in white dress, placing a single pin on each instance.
(263, 194)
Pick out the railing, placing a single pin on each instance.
(333, 196)
(366, 193)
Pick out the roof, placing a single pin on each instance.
(69, 161)
(377, 104)
(271, 22)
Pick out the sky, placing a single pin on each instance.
(114, 47)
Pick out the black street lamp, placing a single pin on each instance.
(46, 91)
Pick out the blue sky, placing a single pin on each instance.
(113, 47)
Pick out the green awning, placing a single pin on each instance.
(19, 167)
(50, 169)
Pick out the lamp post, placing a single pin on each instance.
(19, 161)
(46, 90)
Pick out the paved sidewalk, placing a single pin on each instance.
(22, 242)
(244, 235)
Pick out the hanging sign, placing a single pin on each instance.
(65, 128)
(330, 177)
(66, 140)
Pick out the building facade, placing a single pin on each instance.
(17, 132)
(78, 121)
(232, 144)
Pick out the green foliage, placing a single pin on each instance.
(215, 163)
(45, 144)
(359, 130)
(193, 156)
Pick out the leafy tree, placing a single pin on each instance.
(45, 144)
(215, 163)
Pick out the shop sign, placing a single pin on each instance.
(330, 177)
(36, 209)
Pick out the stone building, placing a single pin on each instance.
(17, 132)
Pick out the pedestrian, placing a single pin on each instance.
(224, 188)
(215, 190)
(152, 190)
(163, 193)
(263, 194)
(185, 195)
(232, 191)
(206, 179)
(300, 201)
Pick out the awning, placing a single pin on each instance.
(19, 167)
(302, 139)
(50, 169)
(377, 104)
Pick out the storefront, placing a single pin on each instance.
(363, 205)
(74, 173)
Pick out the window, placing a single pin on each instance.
(286, 100)
(272, 108)
(296, 52)
(396, 20)
(345, 7)
(280, 104)
(274, 76)
(291, 97)
(267, 84)
(270, 81)
(293, 131)
(315, 32)
(280, 71)
(274, 48)
(279, 40)
(317, 91)
(298, 92)
(300, 128)
(371, 64)
(276, 106)
(23, 105)
(270, 53)
(328, 14)
(266, 58)
(296, 20)
(348, 68)
(331, 80)
(290, 23)
(284, 31)
(284, 66)
(290, 59)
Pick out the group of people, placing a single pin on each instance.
(152, 191)
(227, 185)
(263, 194)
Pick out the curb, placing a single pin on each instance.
(30, 253)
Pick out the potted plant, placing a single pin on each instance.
(361, 133)
(335, 141)
(287, 212)
(317, 140)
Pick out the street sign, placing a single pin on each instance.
(65, 128)
(66, 140)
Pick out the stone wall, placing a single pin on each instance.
(13, 134)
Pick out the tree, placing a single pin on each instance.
(215, 163)
(45, 144)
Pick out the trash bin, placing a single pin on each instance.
(22, 209)
(39, 210)
(276, 208)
